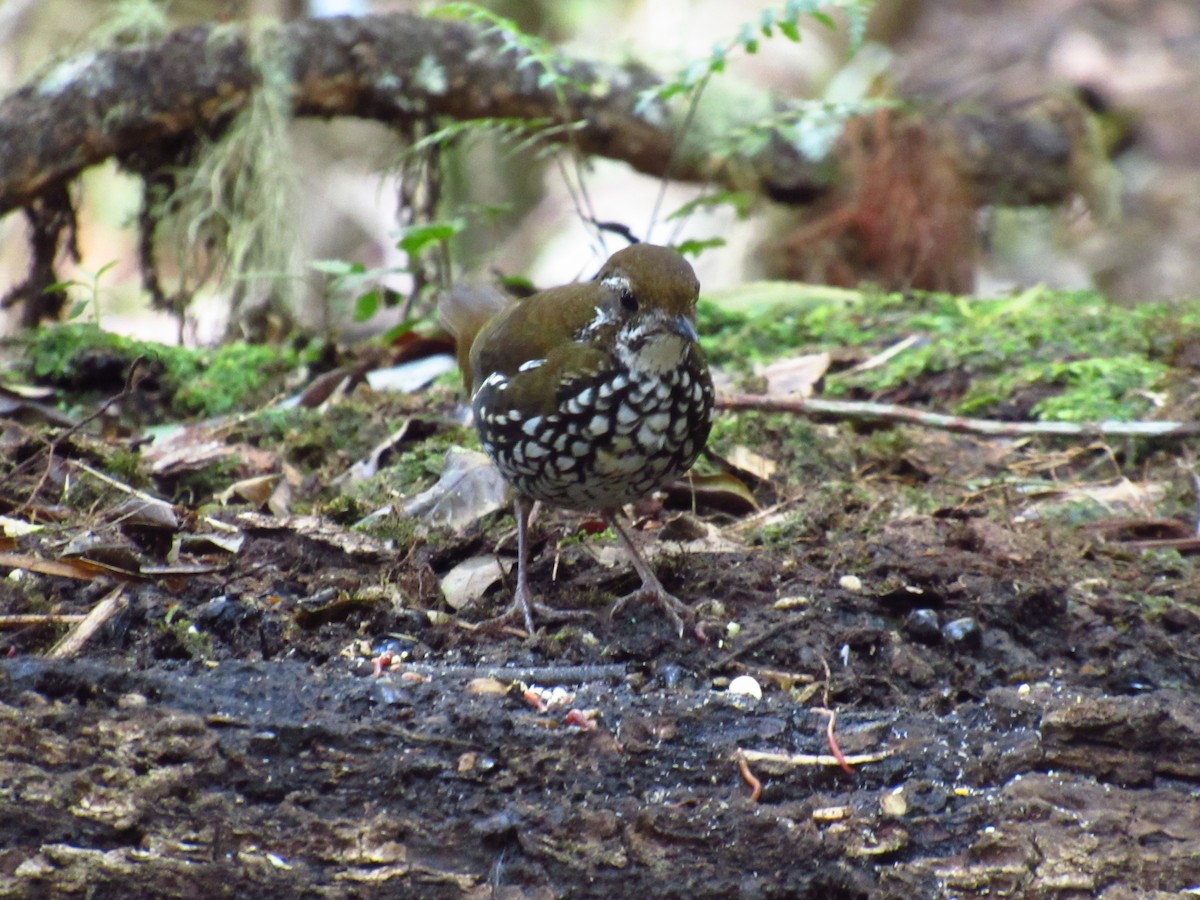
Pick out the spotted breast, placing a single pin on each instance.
(592, 395)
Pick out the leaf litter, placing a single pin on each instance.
(237, 640)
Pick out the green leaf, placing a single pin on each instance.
(366, 306)
(417, 237)
(396, 331)
(696, 247)
(739, 200)
(338, 268)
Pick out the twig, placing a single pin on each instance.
(810, 759)
(889, 412)
(113, 483)
(753, 644)
(23, 621)
(531, 674)
(74, 639)
(52, 446)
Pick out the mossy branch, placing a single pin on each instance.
(142, 102)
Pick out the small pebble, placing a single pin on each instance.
(793, 602)
(964, 633)
(922, 625)
(893, 803)
(745, 686)
(670, 675)
(850, 583)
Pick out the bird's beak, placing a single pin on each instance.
(682, 326)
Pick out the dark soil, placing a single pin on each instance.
(1047, 743)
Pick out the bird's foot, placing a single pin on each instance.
(522, 610)
(652, 591)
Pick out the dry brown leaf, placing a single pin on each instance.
(146, 514)
(470, 579)
(469, 488)
(353, 543)
(755, 464)
(794, 375)
(724, 492)
(68, 568)
(256, 490)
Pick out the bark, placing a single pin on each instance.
(141, 103)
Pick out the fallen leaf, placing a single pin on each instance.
(469, 488)
(794, 375)
(720, 492)
(754, 464)
(17, 527)
(470, 579)
(146, 514)
(256, 490)
(362, 547)
(410, 376)
(70, 568)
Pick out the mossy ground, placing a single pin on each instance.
(1041, 354)
(858, 528)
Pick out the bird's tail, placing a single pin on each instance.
(463, 311)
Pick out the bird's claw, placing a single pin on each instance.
(677, 612)
(522, 611)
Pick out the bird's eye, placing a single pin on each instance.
(629, 301)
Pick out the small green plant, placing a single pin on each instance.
(366, 285)
(90, 293)
(530, 51)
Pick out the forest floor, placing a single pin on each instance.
(977, 657)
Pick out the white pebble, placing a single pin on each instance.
(745, 686)
(850, 583)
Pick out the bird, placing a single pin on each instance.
(588, 396)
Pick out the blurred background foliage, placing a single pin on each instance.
(349, 213)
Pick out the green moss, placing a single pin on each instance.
(792, 442)
(400, 530)
(1068, 356)
(200, 382)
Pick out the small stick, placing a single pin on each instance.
(811, 759)
(22, 621)
(529, 674)
(113, 483)
(889, 412)
(74, 639)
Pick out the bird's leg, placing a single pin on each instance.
(652, 589)
(523, 603)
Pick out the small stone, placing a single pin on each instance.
(793, 602)
(893, 803)
(745, 686)
(132, 701)
(964, 633)
(670, 675)
(922, 625)
(851, 583)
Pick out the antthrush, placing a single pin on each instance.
(590, 395)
